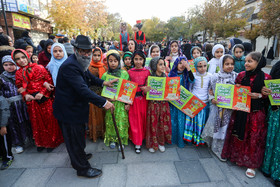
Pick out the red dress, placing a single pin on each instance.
(46, 131)
(137, 114)
(158, 124)
(250, 151)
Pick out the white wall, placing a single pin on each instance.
(38, 36)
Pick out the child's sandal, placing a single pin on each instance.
(137, 150)
(250, 173)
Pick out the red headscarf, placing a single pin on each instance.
(99, 65)
(26, 70)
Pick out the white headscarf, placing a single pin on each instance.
(228, 78)
(54, 64)
(149, 53)
(217, 46)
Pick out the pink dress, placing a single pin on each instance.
(137, 114)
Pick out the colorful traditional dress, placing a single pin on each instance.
(138, 111)
(96, 121)
(46, 131)
(178, 118)
(271, 163)
(121, 117)
(18, 122)
(214, 132)
(158, 117)
(194, 126)
(245, 143)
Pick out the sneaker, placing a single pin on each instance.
(120, 148)
(6, 164)
(112, 145)
(152, 150)
(18, 149)
(161, 148)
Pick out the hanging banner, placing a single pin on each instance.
(274, 86)
(21, 21)
(163, 88)
(188, 103)
(122, 90)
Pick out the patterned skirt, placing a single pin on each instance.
(96, 122)
(250, 151)
(178, 119)
(271, 163)
(158, 124)
(194, 126)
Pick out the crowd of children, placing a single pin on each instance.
(247, 139)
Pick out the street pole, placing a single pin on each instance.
(5, 19)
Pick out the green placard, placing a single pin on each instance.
(158, 87)
(147, 63)
(111, 92)
(224, 95)
(185, 96)
(274, 85)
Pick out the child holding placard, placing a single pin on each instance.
(218, 51)
(180, 69)
(216, 126)
(239, 58)
(200, 88)
(245, 139)
(173, 53)
(138, 110)
(121, 115)
(158, 115)
(271, 166)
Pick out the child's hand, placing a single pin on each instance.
(49, 86)
(21, 90)
(266, 91)
(211, 92)
(127, 107)
(3, 131)
(238, 85)
(168, 58)
(214, 102)
(146, 89)
(29, 97)
(39, 96)
(186, 64)
(255, 95)
(110, 83)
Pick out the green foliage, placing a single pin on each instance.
(270, 15)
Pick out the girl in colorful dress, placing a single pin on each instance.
(18, 122)
(158, 115)
(271, 163)
(173, 53)
(245, 139)
(127, 60)
(180, 69)
(218, 51)
(200, 88)
(138, 110)
(59, 55)
(96, 123)
(121, 116)
(215, 129)
(239, 58)
(31, 78)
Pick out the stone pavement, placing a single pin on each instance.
(177, 167)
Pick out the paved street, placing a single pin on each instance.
(177, 167)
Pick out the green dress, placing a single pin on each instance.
(271, 163)
(121, 116)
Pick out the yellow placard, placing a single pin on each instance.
(21, 21)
